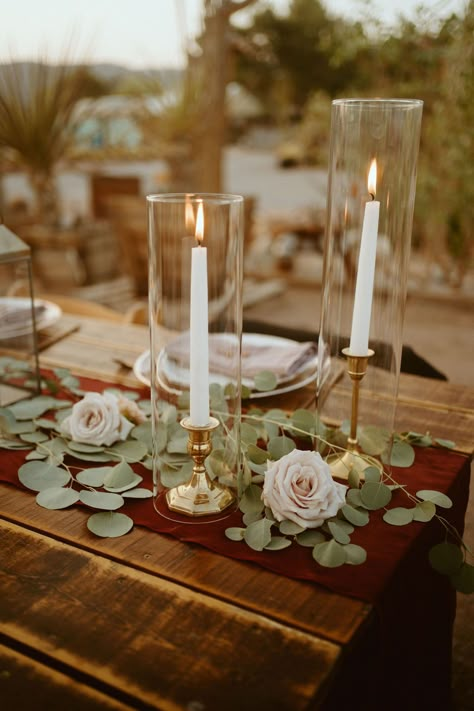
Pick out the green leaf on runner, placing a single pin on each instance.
(436, 497)
(38, 475)
(109, 524)
(399, 516)
(56, 498)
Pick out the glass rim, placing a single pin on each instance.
(377, 101)
(224, 198)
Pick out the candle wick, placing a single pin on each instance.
(372, 196)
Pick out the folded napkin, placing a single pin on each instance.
(282, 357)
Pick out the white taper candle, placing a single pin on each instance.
(199, 327)
(359, 343)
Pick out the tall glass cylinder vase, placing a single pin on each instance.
(195, 309)
(370, 201)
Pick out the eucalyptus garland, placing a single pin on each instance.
(266, 438)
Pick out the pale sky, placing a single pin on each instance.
(143, 33)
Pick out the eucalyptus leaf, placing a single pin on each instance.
(45, 424)
(109, 524)
(436, 497)
(278, 543)
(23, 427)
(421, 440)
(355, 555)
(130, 450)
(448, 443)
(373, 440)
(304, 420)
(446, 558)
(144, 434)
(310, 538)
(217, 464)
(235, 534)
(7, 419)
(101, 500)
(290, 528)
(121, 478)
(33, 407)
(35, 455)
(84, 448)
(245, 392)
(259, 469)
(70, 382)
(251, 517)
(329, 554)
(33, 437)
(178, 444)
(353, 498)
(358, 517)
(280, 446)
(399, 516)
(138, 493)
(269, 513)
(56, 498)
(256, 454)
(372, 474)
(99, 457)
(248, 434)
(463, 579)
(39, 475)
(353, 479)
(265, 381)
(338, 531)
(258, 534)
(275, 420)
(13, 443)
(375, 495)
(93, 477)
(251, 501)
(424, 511)
(402, 455)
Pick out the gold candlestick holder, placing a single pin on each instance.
(200, 496)
(353, 459)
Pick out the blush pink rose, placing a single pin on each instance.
(96, 419)
(299, 487)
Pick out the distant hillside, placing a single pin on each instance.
(113, 74)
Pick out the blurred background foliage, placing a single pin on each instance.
(291, 65)
(303, 60)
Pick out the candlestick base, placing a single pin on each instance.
(200, 496)
(353, 459)
(342, 464)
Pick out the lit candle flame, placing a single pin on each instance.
(200, 223)
(372, 179)
(189, 216)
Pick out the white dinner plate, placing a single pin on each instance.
(15, 316)
(179, 376)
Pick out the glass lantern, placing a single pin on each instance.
(371, 194)
(19, 365)
(195, 308)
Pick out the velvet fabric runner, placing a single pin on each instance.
(387, 546)
(416, 605)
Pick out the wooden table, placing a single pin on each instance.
(148, 622)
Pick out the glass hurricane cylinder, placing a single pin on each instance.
(195, 312)
(367, 249)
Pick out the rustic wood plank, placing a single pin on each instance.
(29, 685)
(152, 639)
(302, 605)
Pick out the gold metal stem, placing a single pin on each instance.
(341, 464)
(200, 496)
